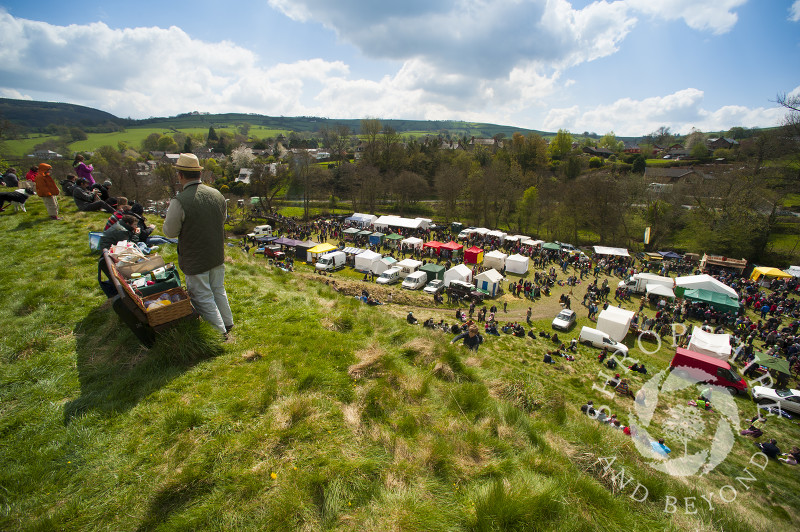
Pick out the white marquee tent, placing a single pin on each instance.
(368, 261)
(494, 259)
(706, 282)
(659, 290)
(458, 273)
(604, 250)
(384, 223)
(713, 345)
(361, 220)
(516, 264)
(615, 322)
(411, 242)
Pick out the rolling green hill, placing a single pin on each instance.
(325, 413)
(36, 115)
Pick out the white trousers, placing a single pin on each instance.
(209, 298)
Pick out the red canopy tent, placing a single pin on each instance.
(452, 247)
(434, 245)
(473, 255)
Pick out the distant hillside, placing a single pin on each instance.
(311, 123)
(34, 116)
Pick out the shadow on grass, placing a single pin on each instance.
(30, 224)
(115, 371)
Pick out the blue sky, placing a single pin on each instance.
(628, 66)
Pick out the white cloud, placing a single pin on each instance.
(480, 39)
(681, 111)
(143, 72)
(717, 16)
(794, 11)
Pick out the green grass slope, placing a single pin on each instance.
(322, 414)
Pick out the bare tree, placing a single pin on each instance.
(450, 181)
(266, 185)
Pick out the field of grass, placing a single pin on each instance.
(132, 136)
(323, 413)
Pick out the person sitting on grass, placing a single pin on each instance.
(87, 200)
(755, 429)
(623, 389)
(792, 457)
(411, 319)
(472, 339)
(548, 359)
(770, 448)
(588, 408)
(122, 209)
(491, 328)
(660, 447)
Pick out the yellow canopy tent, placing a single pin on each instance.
(764, 271)
(318, 250)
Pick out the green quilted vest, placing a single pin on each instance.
(201, 244)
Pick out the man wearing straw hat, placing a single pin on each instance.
(197, 216)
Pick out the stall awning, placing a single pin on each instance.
(778, 364)
(351, 231)
(552, 246)
(669, 255)
(322, 248)
(714, 299)
(604, 250)
(394, 236)
(353, 251)
(764, 271)
(452, 246)
(432, 244)
(283, 241)
(660, 290)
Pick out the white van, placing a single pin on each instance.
(415, 281)
(260, 230)
(331, 261)
(600, 339)
(390, 276)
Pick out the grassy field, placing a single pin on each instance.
(132, 136)
(323, 413)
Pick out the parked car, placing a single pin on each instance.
(462, 290)
(274, 252)
(434, 287)
(788, 400)
(565, 320)
(600, 339)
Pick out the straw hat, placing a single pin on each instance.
(188, 162)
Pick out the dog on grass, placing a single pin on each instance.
(17, 198)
